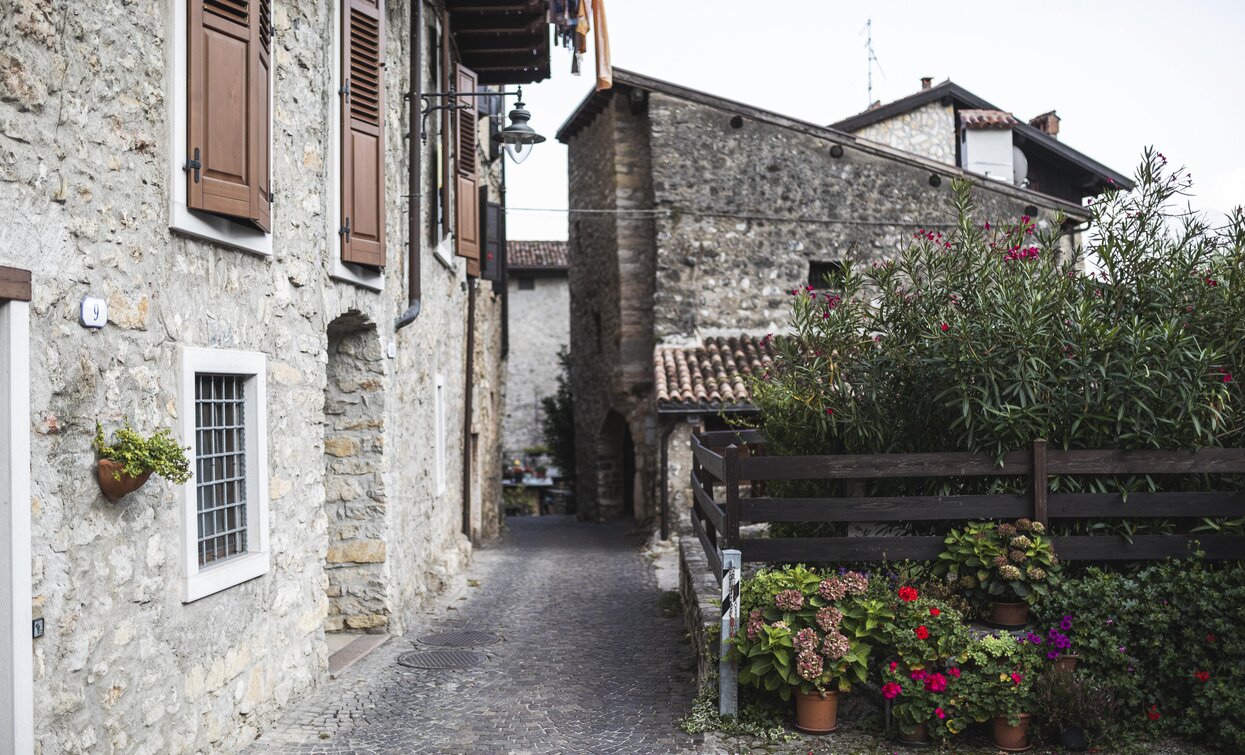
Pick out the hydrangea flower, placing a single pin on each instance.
(1036, 573)
(855, 582)
(1009, 572)
(835, 646)
(1017, 556)
(804, 640)
(832, 589)
(755, 622)
(828, 618)
(809, 666)
(789, 600)
(1020, 541)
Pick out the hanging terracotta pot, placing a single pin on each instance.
(1009, 614)
(1012, 738)
(817, 713)
(918, 738)
(114, 489)
(1066, 662)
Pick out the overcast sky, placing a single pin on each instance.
(1121, 75)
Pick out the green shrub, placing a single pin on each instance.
(558, 423)
(1167, 638)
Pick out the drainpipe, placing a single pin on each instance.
(468, 396)
(666, 432)
(414, 177)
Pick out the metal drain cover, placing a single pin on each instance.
(442, 659)
(459, 638)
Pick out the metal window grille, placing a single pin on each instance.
(220, 434)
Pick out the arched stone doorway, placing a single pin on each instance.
(354, 492)
(615, 468)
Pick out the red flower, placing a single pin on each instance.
(1153, 713)
(954, 671)
(940, 713)
(921, 632)
(1202, 676)
(894, 665)
(1210, 639)
(934, 612)
(945, 327)
(829, 411)
(1016, 678)
(907, 594)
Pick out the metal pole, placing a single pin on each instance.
(728, 670)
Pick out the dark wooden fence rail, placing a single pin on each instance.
(723, 460)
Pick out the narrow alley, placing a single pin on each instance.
(586, 660)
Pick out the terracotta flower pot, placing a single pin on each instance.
(114, 489)
(817, 713)
(1066, 662)
(1009, 614)
(1012, 738)
(920, 737)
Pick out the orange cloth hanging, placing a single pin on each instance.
(582, 28)
(605, 71)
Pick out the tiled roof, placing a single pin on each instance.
(708, 376)
(987, 119)
(541, 255)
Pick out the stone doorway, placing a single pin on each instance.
(354, 491)
(615, 468)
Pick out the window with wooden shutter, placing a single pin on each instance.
(363, 136)
(227, 111)
(467, 182)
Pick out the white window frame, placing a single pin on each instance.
(16, 645)
(359, 275)
(201, 225)
(439, 429)
(201, 581)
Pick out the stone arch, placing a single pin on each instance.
(354, 491)
(615, 468)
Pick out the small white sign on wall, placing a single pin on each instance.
(94, 313)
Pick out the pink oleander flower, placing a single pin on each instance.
(832, 589)
(835, 646)
(891, 690)
(828, 618)
(789, 600)
(809, 666)
(804, 640)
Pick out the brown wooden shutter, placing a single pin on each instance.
(467, 182)
(227, 109)
(363, 136)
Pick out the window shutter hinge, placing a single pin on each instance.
(345, 230)
(272, 195)
(345, 90)
(193, 164)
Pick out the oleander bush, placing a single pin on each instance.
(989, 336)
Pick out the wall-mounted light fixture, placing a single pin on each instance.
(518, 138)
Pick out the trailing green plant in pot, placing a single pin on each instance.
(1078, 710)
(1008, 566)
(798, 639)
(997, 679)
(125, 464)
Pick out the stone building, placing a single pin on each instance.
(704, 214)
(222, 218)
(538, 312)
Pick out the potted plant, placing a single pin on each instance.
(1007, 565)
(1056, 644)
(798, 641)
(125, 465)
(998, 676)
(927, 637)
(1081, 710)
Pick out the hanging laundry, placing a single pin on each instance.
(583, 27)
(605, 71)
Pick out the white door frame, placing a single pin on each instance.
(16, 647)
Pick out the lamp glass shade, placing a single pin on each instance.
(519, 151)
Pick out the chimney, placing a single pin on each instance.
(1047, 123)
(926, 81)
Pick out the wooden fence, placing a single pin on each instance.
(719, 507)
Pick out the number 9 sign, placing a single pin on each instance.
(94, 312)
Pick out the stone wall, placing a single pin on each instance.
(539, 327)
(728, 257)
(125, 666)
(928, 131)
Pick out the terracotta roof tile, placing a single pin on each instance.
(987, 119)
(541, 255)
(709, 376)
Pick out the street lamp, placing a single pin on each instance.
(518, 138)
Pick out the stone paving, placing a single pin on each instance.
(587, 661)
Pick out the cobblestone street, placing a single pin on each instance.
(587, 661)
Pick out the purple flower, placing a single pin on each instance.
(1066, 623)
(1052, 654)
